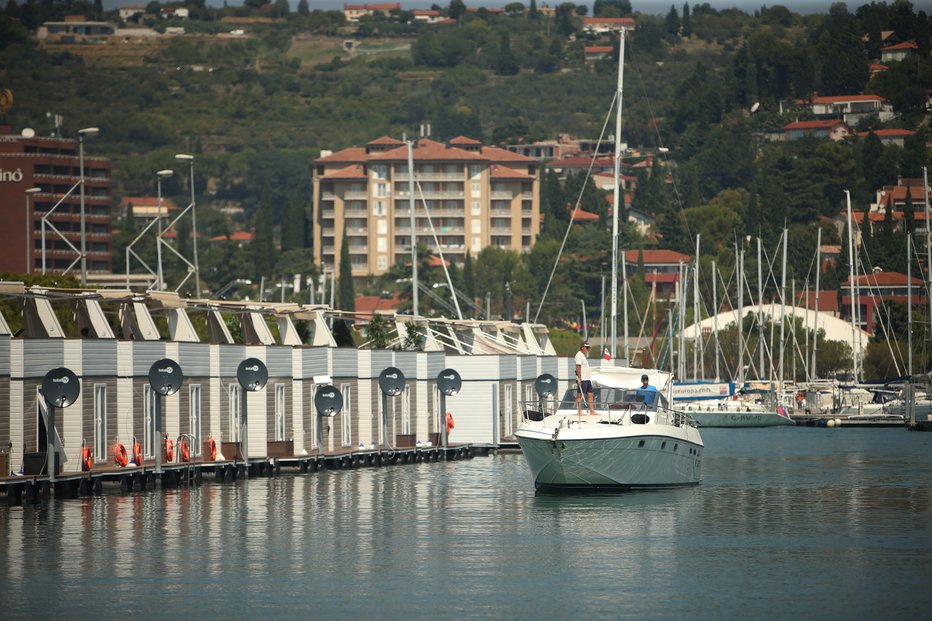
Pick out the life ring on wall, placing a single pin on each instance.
(137, 453)
(169, 450)
(86, 460)
(212, 446)
(450, 424)
(119, 455)
(183, 452)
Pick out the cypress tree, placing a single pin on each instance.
(263, 244)
(346, 294)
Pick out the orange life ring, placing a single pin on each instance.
(450, 424)
(213, 449)
(137, 453)
(86, 460)
(169, 450)
(183, 450)
(119, 455)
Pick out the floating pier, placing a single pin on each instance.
(20, 489)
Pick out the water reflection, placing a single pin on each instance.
(789, 512)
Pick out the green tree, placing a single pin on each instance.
(914, 155)
(672, 22)
(687, 21)
(303, 8)
(263, 244)
(378, 332)
(346, 293)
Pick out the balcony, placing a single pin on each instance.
(501, 195)
(327, 196)
(431, 176)
(356, 195)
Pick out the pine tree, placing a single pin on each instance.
(303, 8)
(469, 277)
(346, 294)
(687, 23)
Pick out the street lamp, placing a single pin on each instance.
(184, 157)
(29, 229)
(87, 132)
(162, 174)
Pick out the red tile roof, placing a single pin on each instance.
(464, 140)
(888, 133)
(608, 20)
(497, 154)
(905, 45)
(655, 257)
(847, 98)
(827, 124)
(385, 140)
(883, 279)
(237, 236)
(426, 149)
(500, 171)
(147, 201)
(369, 304)
(598, 49)
(585, 216)
(353, 171)
(350, 154)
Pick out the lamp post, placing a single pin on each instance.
(162, 174)
(29, 229)
(87, 132)
(184, 157)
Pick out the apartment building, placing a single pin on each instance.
(51, 169)
(474, 195)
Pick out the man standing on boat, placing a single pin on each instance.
(583, 379)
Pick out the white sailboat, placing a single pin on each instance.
(635, 440)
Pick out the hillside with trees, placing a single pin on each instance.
(257, 91)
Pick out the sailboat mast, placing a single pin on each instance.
(925, 192)
(909, 299)
(851, 289)
(815, 320)
(411, 205)
(740, 375)
(615, 199)
(760, 311)
(715, 319)
(698, 343)
(782, 377)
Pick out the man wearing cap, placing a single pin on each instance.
(583, 381)
(646, 391)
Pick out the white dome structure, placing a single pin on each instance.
(835, 329)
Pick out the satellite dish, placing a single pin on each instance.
(755, 107)
(60, 387)
(252, 374)
(6, 100)
(392, 381)
(165, 377)
(449, 382)
(328, 401)
(545, 385)
(28, 132)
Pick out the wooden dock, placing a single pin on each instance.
(36, 488)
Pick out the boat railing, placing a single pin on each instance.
(625, 413)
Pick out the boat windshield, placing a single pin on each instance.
(605, 397)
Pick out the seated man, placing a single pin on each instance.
(646, 393)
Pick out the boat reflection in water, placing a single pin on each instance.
(635, 440)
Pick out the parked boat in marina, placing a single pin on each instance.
(717, 404)
(634, 441)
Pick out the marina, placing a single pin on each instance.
(788, 523)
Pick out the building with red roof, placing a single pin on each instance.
(898, 51)
(601, 25)
(477, 196)
(367, 306)
(889, 136)
(894, 197)
(874, 289)
(661, 269)
(833, 129)
(352, 12)
(852, 108)
(594, 53)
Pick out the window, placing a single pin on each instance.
(475, 170)
(382, 227)
(378, 208)
(406, 411)
(475, 189)
(381, 190)
(476, 227)
(149, 440)
(507, 411)
(476, 208)
(380, 171)
(346, 415)
(381, 262)
(194, 417)
(381, 244)
(279, 412)
(100, 422)
(234, 412)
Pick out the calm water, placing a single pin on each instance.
(795, 523)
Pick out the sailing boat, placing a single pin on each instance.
(635, 439)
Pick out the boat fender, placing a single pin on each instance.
(137, 452)
(212, 447)
(86, 460)
(183, 451)
(119, 455)
(169, 450)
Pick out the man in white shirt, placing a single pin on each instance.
(583, 380)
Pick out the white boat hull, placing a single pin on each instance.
(599, 455)
(734, 418)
